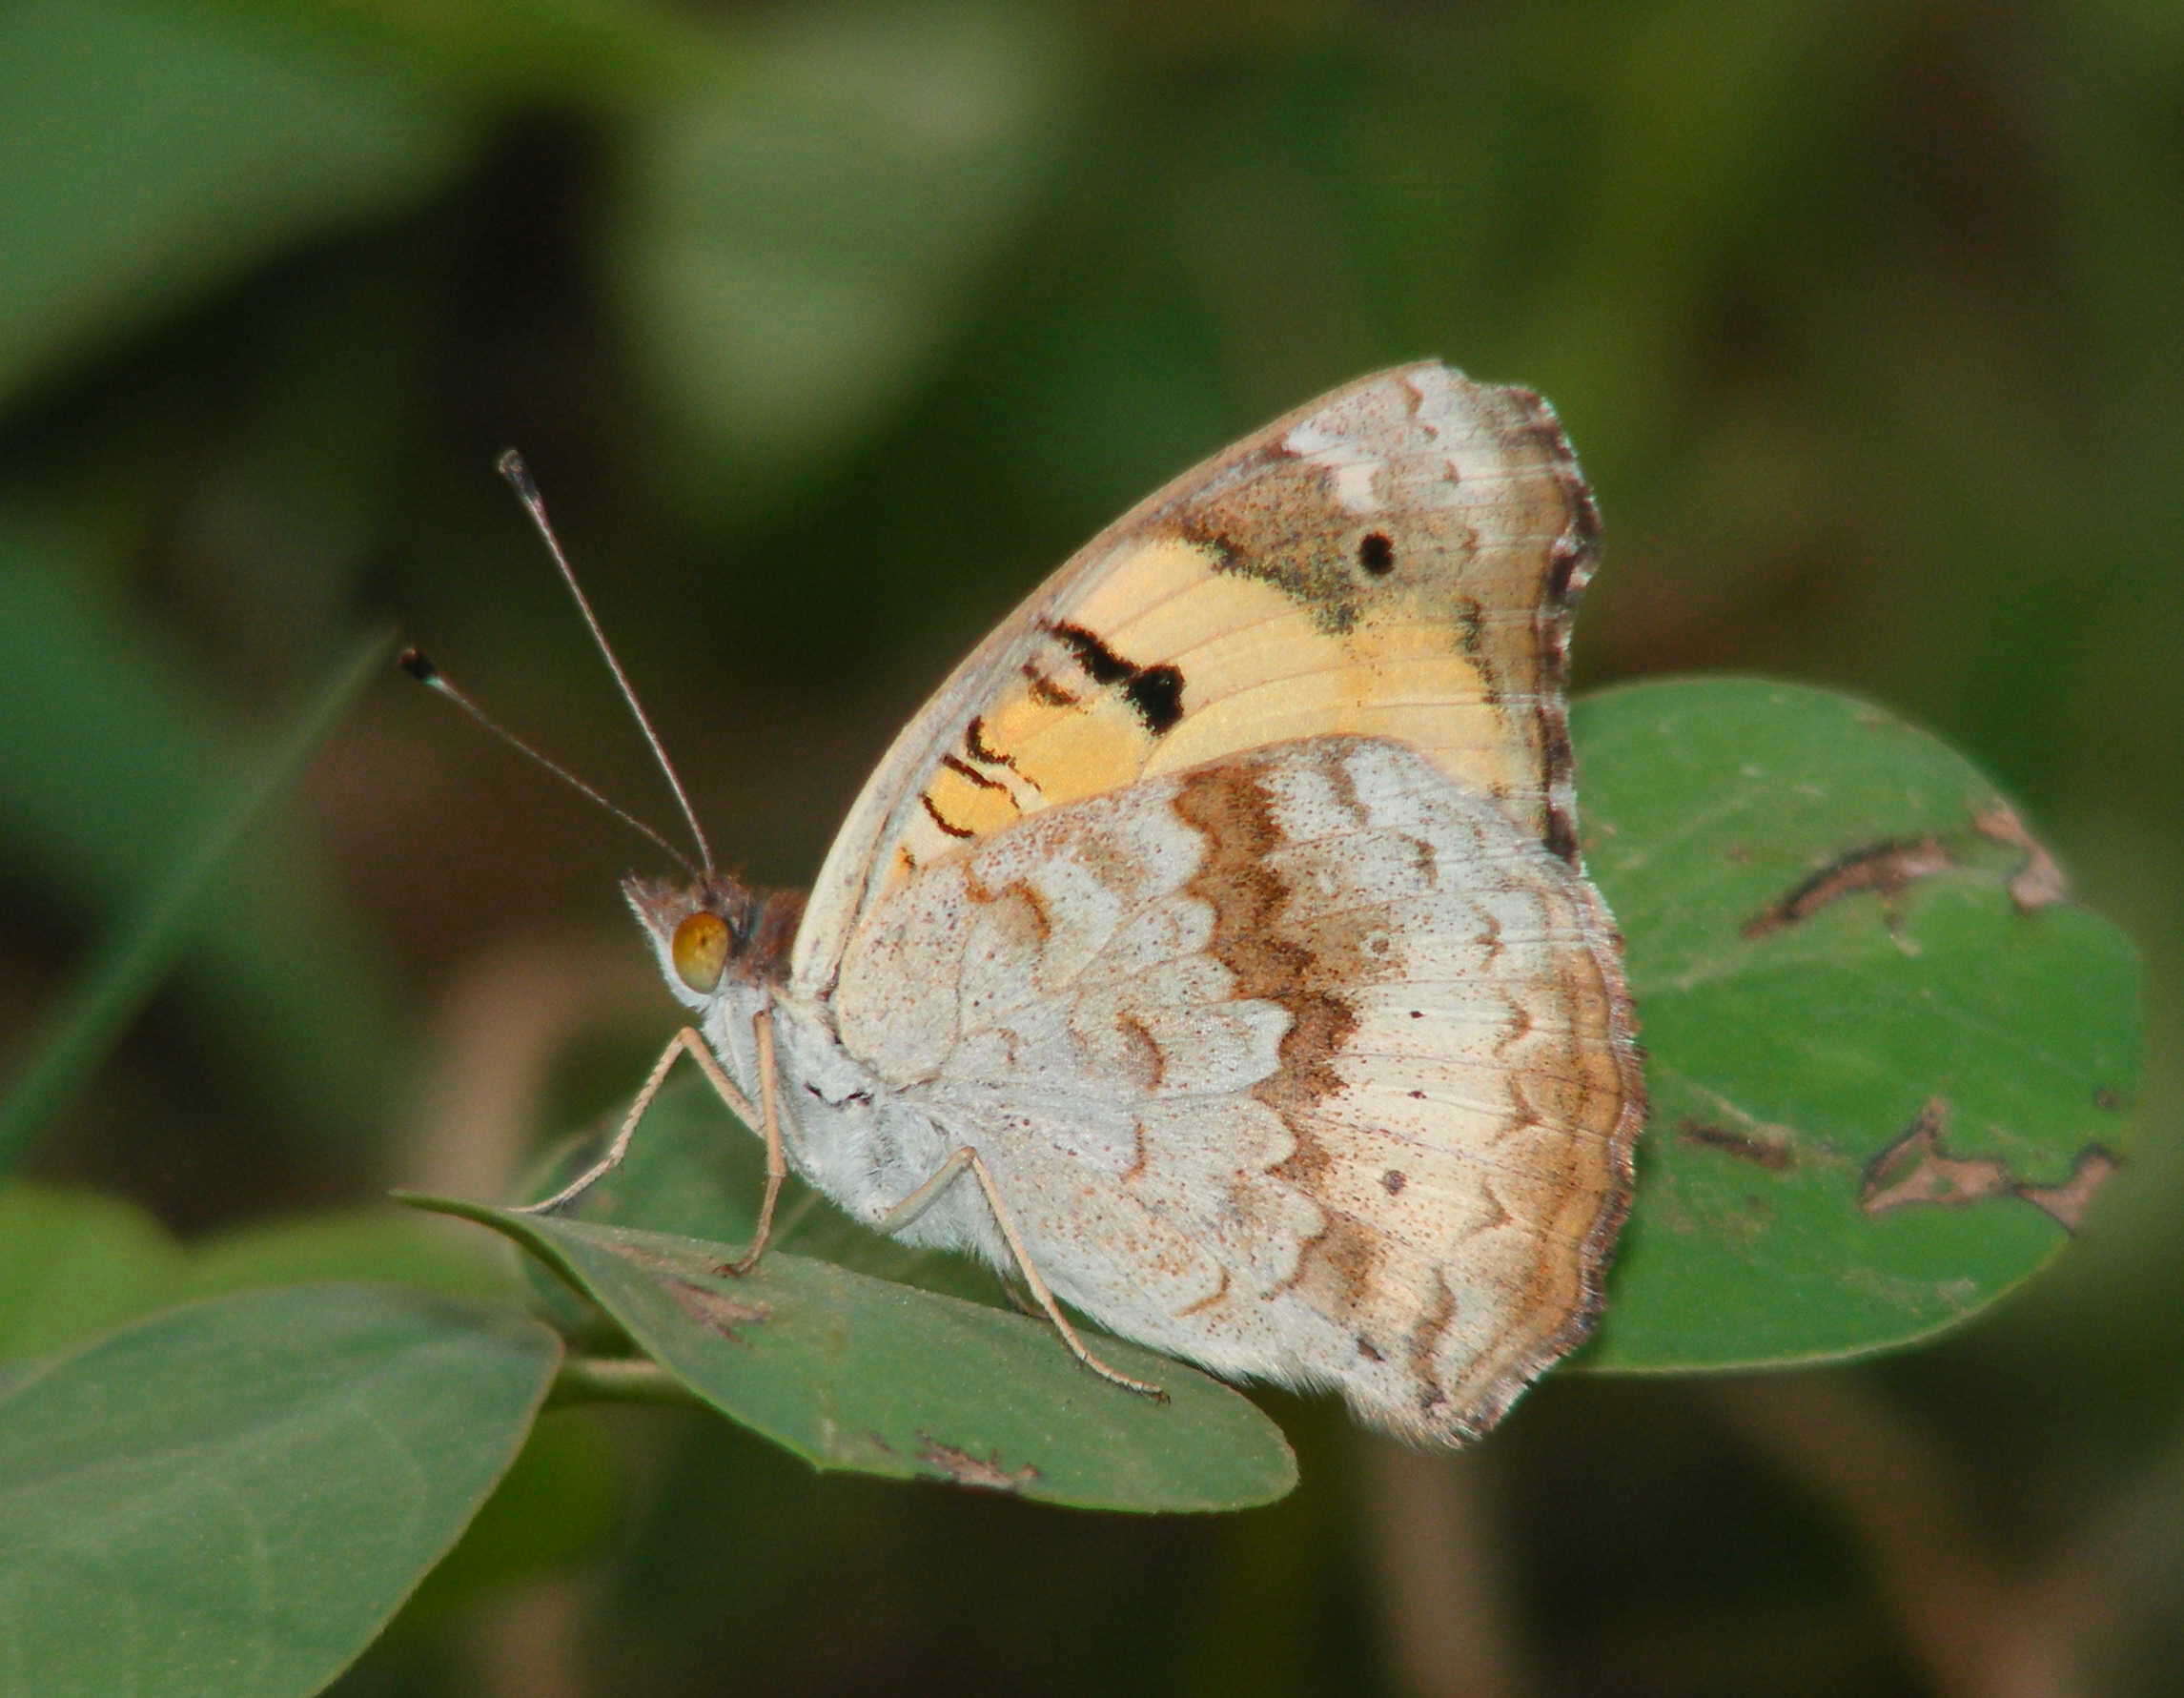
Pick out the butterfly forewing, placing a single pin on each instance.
(1400, 559)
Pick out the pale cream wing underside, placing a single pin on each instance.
(1397, 559)
(1303, 1063)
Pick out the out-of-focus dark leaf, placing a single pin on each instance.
(152, 151)
(797, 243)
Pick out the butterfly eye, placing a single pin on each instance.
(700, 951)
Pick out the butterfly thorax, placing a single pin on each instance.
(846, 1131)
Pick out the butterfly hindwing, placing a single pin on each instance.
(1301, 1063)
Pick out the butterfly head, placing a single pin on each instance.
(715, 934)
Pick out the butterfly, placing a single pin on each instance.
(1213, 949)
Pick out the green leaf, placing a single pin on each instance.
(861, 1374)
(1887, 1057)
(147, 939)
(234, 1497)
(373, 1244)
(74, 1263)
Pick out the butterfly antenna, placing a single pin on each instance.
(419, 667)
(511, 466)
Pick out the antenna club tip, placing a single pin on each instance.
(510, 464)
(418, 665)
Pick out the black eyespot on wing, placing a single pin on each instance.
(1157, 695)
(1376, 554)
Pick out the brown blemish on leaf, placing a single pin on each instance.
(1917, 1169)
(2066, 1203)
(716, 1311)
(2108, 1099)
(987, 1473)
(1885, 869)
(1763, 1153)
(2038, 882)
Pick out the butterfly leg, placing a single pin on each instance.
(685, 1042)
(776, 1160)
(949, 1171)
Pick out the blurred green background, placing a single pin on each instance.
(828, 328)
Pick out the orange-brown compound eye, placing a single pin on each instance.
(700, 951)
